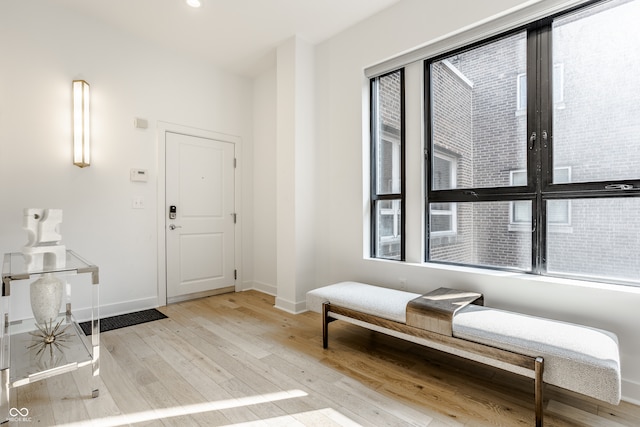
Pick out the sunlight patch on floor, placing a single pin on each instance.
(177, 411)
(324, 417)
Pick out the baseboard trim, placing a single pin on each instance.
(108, 310)
(290, 306)
(631, 392)
(265, 288)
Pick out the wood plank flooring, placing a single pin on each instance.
(233, 359)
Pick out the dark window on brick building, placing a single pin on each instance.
(547, 170)
(387, 166)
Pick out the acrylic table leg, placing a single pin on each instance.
(4, 399)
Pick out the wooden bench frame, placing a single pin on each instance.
(529, 366)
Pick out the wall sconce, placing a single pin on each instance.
(81, 124)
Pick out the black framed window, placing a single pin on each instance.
(387, 166)
(543, 124)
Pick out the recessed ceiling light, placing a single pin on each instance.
(194, 3)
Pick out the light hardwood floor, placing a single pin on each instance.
(233, 359)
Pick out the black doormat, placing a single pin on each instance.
(124, 320)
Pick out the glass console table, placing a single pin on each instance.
(31, 352)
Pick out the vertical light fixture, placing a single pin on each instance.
(81, 124)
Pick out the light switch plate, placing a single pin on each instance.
(139, 175)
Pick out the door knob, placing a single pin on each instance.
(173, 226)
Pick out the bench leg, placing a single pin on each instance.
(325, 325)
(538, 390)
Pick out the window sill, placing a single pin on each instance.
(488, 274)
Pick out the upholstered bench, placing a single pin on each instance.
(578, 358)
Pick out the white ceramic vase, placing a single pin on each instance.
(46, 298)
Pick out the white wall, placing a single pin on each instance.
(295, 187)
(341, 143)
(44, 47)
(264, 183)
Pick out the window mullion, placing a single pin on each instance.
(373, 114)
(403, 180)
(545, 151)
(534, 132)
(539, 110)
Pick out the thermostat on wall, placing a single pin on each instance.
(139, 175)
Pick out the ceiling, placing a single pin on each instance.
(237, 35)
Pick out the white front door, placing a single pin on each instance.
(199, 216)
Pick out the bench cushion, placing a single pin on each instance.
(387, 303)
(578, 358)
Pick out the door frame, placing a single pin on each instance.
(163, 128)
